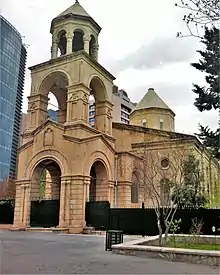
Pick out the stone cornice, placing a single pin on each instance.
(131, 154)
(80, 125)
(152, 108)
(72, 16)
(48, 122)
(26, 145)
(73, 57)
(84, 140)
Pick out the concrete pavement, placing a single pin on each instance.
(47, 253)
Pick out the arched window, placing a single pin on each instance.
(144, 123)
(134, 189)
(78, 43)
(161, 124)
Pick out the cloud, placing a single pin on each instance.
(161, 51)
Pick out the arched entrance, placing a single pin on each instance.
(45, 194)
(98, 189)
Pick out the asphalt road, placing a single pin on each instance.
(48, 253)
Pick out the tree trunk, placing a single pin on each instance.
(167, 228)
(160, 231)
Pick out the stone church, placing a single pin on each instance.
(85, 163)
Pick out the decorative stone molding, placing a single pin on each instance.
(48, 137)
(33, 107)
(74, 97)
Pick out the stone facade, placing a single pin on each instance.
(82, 163)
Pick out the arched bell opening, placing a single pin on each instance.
(62, 43)
(78, 42)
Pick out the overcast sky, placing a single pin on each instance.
(138, 45)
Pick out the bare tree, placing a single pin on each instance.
(7, 188)
(199, 14)
(160, 172)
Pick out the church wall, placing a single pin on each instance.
(125, 137)
(153, 117)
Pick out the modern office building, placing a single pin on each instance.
(121, 110)
(12, 73)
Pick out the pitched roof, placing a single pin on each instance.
(151, 100)
(75, 9)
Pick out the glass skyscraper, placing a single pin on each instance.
(12, 73)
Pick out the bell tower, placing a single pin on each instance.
(74, 30)
(76, 158)
(72, 74)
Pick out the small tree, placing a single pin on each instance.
(190, 194)
(199, 14)
(160, 173)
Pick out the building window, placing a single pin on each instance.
(126, 109)
(134, 189)
(123, 114)
(124, 121)
(144, 123)
(91, 113)
(91, 120)
(161, 124)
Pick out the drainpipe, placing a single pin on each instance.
(116, 181)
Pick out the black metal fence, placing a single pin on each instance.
(97, 214)
(6, 211)
(137, 221)
(45, 213)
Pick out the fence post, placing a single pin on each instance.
(143, 210)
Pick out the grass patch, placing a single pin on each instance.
(197, 246)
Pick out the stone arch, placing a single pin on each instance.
(45, 188)
(48, 80)
(55, 83)
(98, 88)
(98, 156)
(44, 155)
(99, 171)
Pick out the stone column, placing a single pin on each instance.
(86, 197)
(77, 204)
(22, 204)
(54, 48)
(96, 52)
(64, 202)
(69, 43)
(103, 117)
(78, 104)
(37, 110)
(111, 185)
(86, 40)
